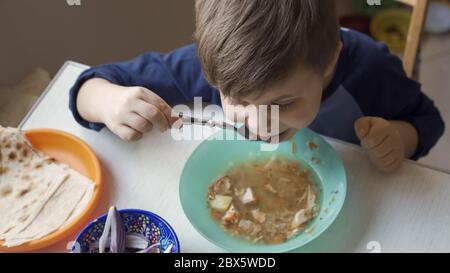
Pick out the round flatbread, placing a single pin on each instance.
(37, 195)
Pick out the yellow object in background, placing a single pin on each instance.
(391, 27)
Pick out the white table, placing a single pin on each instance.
(406, 211)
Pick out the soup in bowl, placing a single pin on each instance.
(245, 199)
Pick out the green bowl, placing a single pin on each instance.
(213, 157)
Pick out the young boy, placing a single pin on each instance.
(289, 53)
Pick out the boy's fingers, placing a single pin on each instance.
(396, 164)
(373, 141)
(383, 149)
(163, 107)
(152, 114)
(377, 135)
(362, 127)
(386, 160)
(127, 133)
(389, 159)
(138, 123)
(390, 165)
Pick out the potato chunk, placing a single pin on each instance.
(221, 202)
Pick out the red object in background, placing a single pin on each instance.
(356, 22)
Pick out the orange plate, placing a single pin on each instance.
(74, 152)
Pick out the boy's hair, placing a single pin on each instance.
(244, 45)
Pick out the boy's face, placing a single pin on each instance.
(298, 97)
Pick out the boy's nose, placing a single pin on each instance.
(261, 121)
(264, 125)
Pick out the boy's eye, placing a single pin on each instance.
(284, 104)
(234, 101)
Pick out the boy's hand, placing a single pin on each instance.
(132, 111)
(128, 112)
(383, 142)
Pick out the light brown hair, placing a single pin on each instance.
(244, 45)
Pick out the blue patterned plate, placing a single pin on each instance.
(142, 223)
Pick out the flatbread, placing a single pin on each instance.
(27, 181)
(89, 186)
(37, 195)
(56, 212)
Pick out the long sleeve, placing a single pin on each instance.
(381, 88)
(176, 77)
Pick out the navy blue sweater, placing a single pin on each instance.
(368, 81)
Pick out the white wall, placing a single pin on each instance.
(46, 33)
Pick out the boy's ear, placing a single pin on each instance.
(332, 65)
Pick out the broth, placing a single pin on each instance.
(266, 201)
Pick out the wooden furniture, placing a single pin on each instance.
(419, 12)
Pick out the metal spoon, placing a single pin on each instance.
(242, 129)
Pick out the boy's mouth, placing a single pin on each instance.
(285, 135)
(282, 136)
